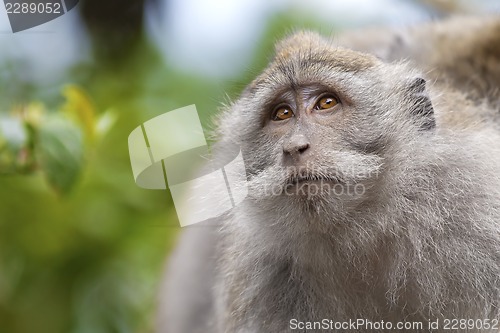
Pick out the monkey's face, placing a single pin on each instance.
(317, 125)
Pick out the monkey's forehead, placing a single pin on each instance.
(308, 45)
(306, 54)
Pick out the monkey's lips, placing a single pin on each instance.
(312, 178)
(312, 185)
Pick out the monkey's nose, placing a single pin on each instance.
(296, 146)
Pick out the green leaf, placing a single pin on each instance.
(60, 151)
(105, 121)
(80, 107)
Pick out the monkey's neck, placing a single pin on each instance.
(312, 278)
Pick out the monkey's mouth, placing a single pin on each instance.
(312, 178)
(313, 186)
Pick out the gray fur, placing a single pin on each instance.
(420, 242)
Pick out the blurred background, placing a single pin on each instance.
(82, 248)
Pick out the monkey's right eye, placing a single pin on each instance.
(282, 113)
(326, 102)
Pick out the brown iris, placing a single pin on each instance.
(282, 113)
(326, 102)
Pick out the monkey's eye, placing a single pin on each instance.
(282, 113)
(326, 102)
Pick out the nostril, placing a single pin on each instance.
(297, 150)
(296, 145)
(303, 148)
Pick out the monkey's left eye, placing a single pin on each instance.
(326, 102)
(282, 113)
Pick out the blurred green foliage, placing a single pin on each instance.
(82, 247)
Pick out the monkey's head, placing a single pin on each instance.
(318, 126)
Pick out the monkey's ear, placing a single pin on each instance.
(422, 105)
